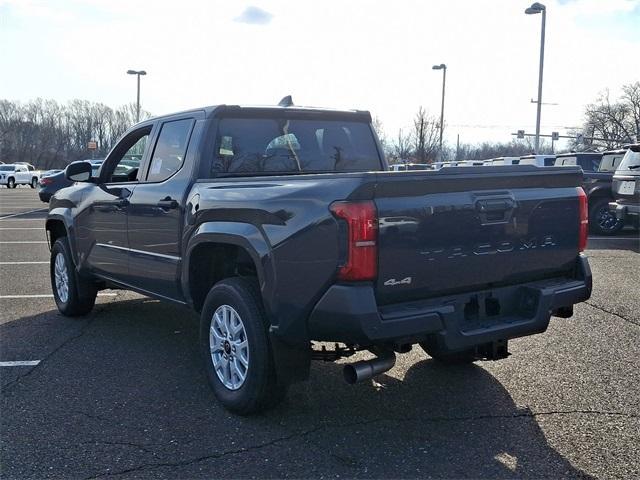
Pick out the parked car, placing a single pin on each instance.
(16, 174)
(588, 161)
(626, 187)
(538, 160)
(403, 167)
(50, 184)
(596, 182)
(281, 227)
(505, 161)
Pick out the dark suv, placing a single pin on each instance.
(626, 186)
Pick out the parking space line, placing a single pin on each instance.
(23, 213)
(615, 238)
(49, 295)
(24, 263)
(25, 241)
(21, 228)
(25, 219)
(23, 363)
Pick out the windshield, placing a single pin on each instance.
(630, 162)
(290, 145)
(6, 168)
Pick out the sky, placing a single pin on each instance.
(370, 55)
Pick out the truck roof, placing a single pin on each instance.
(213, 110)
(579, 154)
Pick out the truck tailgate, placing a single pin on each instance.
(467, 228)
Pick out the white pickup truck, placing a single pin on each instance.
(19, 174)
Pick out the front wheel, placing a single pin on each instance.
(236, 350)
(601, 220)
(73, 294)
(11, 183)
(34, 182)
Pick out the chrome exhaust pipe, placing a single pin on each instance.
(366, 369)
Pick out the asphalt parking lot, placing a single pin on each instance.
(121, 393)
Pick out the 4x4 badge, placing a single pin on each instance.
(392, 282)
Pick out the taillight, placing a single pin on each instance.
(45, 181)
(584, 219)
(362, 251)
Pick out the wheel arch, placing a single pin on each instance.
(56, 227)
(220, 250)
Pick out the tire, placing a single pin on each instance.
(34, 182)
(450, 358)
(601, 220)
(11, 183)
(74, 295)
(226, 361)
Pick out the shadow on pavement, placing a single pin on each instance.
(126, 394)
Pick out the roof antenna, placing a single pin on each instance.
(286, 101)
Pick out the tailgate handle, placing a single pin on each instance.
(495, 210)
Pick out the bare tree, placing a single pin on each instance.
(402, 147)
(49, 134)
(425, 136)
(615, 122)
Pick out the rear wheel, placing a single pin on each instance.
(235, 347)
(450, 358)
(11, 183)
(601, 220)
(34, 182)
(73, 294)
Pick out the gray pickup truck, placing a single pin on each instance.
(283, 228)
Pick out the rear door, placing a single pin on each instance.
(448, 231)
(156, 210)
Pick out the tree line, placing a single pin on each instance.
(49, 134)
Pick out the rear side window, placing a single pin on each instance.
(168, 156)
(291, 145)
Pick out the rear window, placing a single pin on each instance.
(290, 145)
(610, 163)
(630, 162)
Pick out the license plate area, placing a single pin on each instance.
(627, 188)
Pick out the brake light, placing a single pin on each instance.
(362, 252)
(584, 219)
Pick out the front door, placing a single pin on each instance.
(102, 224)
(156, 212)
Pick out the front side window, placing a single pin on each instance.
(292, 145)
(123, 165)
(170, 150)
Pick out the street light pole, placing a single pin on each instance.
(138, 73)
(532, 10)
(442, 67)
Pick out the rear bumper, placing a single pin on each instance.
(621, 210)
(349, 314)
(44, 196)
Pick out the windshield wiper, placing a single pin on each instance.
(632, 167)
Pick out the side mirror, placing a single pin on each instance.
(78, 171)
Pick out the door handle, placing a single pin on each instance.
(495, 210)
(167, 204)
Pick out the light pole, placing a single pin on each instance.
(138, 73)
(442, 67)
(534, 9)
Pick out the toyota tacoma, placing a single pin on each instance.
(284, 229)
